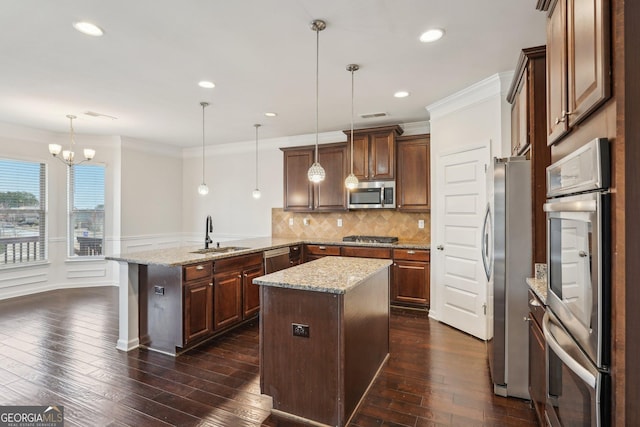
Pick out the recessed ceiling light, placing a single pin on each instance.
(270, 114)
(431, 35)
(206, 84)
(401, 94)
(88, 28)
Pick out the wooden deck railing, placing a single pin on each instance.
(20, 249)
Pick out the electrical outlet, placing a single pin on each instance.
(421, 223)
(339, 222)
(306, 221)
(290, 221)
(300, 330)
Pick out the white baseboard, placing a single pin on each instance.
(128, 345)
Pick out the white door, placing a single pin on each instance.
(460, 277)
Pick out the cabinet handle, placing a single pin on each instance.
(245, 274)
(534, 303)
(526, 319)
(411, 252)
(322, 248)
(239, 276)
(211, 284)
(200, 267)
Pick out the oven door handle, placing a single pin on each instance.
(570, 362)
(572, 206)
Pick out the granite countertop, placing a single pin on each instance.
(185, 255)
(539, 287)
(335, 275)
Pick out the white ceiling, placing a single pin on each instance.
(261, 54)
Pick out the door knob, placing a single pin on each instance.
(440, 248)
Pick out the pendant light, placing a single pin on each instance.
(352, 181)
(256, 192)
(68, 156)
(203, 189)
(316, 172)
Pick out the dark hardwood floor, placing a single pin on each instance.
(59, 348)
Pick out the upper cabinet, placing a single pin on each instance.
(412, 181)
(300, 194)
(374, 152)
(578, 62)
(529, 137)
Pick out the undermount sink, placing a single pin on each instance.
(225, 249)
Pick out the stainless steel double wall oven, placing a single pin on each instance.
(577, 325)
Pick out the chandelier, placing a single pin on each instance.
(68, 156)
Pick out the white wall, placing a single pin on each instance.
(59, 271)
(476, 116)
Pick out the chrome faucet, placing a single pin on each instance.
(208, 228)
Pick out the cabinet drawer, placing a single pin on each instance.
(412, 254)
(536, 308)
(366, 252)
(323, 250)
(198, 271)
(238, 262)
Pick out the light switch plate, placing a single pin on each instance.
(339, 222)
(290, 221)
(421, 223)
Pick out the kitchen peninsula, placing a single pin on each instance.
(324, 334)
(176, 298)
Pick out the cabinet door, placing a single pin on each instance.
(381, 159)
(331, 194)
(413, 174)
(410, 283)
(557, 124)
(522, 100)
(198, 310)
(298, 191)
(588, 69)
(251, 292)
(360, 156)
(537, 372)
(227, 299)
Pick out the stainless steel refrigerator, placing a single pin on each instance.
(506, 252)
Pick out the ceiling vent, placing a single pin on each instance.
(372, 115)
(94, 114)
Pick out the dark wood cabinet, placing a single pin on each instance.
(374, 152)
(312, 252)
(537, 358)
(410, 278)
(365, 252)
(296, 256)
(301, 195)
(412, 180)
(529, 137)
(578, 63)
(235, 297)
(197, 311)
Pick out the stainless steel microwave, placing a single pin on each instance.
(373, 195)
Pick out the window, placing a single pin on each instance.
(22, 211)
(86, 210)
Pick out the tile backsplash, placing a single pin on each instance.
(372, 222)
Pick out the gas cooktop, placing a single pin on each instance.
(370, 239)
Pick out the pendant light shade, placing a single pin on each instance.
(352, 181)
(316, 172)
(256, 193)
(203, 189)
(68, 156)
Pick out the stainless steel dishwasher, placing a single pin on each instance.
(276, 259)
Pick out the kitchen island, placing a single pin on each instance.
(324, 335)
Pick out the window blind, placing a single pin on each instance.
(86, 210)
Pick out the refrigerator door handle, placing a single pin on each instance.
(486, 256)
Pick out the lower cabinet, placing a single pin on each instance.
(410, 278)
(537, 358)
(235, 297)
(312, 252)
(198, 310)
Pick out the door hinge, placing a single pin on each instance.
(486, 167)
(484, 308)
